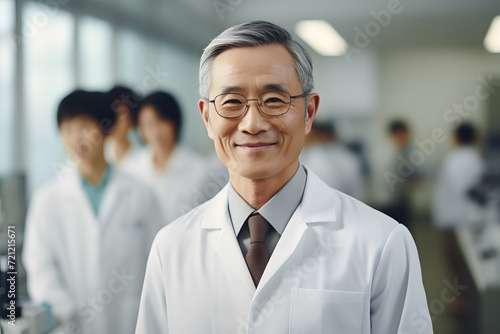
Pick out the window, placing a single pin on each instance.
(49, 76)
(95, 48)
(135, 61)
(7, 84)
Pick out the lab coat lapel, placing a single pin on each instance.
(111, 197)
(320, 203)
(284, 249)
(88, 228)
(317, 206)
(217, 218)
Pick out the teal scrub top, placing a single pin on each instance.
(94, 193)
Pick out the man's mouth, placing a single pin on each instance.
(255, 146)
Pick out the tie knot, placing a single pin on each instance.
(258, 227)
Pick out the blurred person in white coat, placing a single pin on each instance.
(277, 250)
(462, 169)
(334, 163)
(181, 178)
(88, 232)
(123, 143)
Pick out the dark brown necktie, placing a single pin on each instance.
(258, 254)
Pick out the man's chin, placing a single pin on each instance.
(255, 173)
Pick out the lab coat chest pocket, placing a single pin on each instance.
(326, 311)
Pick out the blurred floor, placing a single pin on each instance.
(436, 271)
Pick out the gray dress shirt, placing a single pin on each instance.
(277, 211)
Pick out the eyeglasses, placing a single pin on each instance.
(272, 103)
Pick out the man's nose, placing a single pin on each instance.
(254, 121)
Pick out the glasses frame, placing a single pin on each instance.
(258, 103)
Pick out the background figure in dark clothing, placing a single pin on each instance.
(399, 205)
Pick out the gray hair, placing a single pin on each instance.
(250, 34)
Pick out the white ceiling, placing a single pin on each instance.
(421, 23)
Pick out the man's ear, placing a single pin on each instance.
(203, 105)
(312, 109)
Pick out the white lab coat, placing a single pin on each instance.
(339, 267)
(461, 170)
(187, 181)
(91, 269)
(337, 167)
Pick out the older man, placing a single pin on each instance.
(277, 250)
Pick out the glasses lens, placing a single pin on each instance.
(230, 105)
(275, 102)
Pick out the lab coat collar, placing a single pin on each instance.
(319, 205)
(216, 207)
(114, 191)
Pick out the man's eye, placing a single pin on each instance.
(233, 101)
(273, 100)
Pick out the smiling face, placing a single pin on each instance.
(256, 146)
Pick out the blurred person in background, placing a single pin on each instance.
(181, 178)
(123, 143)
(398, 202)
(332, 161)
(89, 232)
(453, 207)
(462, 170)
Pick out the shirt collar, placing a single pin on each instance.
(101, 185)
(277, 211)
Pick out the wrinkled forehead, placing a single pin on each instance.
(261, 66)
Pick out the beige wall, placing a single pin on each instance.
(421, 86)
